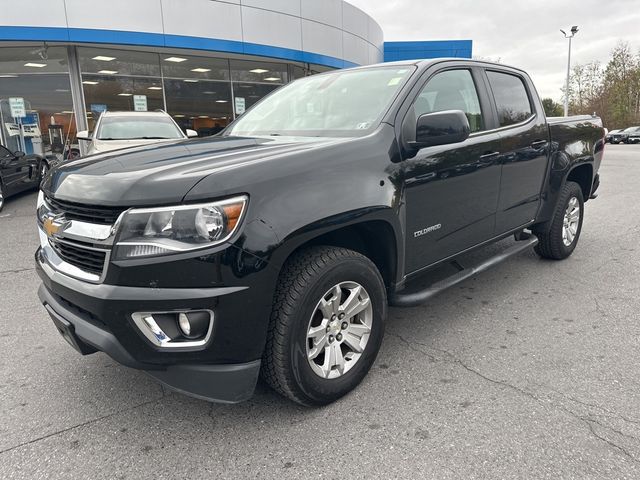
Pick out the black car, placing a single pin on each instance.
(19, 172)
(610, 135)
(276, 247)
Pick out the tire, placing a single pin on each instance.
(302, 302)
(555, 242)
(1, 196)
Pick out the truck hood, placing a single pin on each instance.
(162, 174)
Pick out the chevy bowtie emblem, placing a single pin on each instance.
(52, 225)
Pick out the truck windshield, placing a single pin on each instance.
(137, 127)
(342, 103)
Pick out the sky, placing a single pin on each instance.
(525, 34)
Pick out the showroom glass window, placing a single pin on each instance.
(511, 98)
(120, 80)
(39, 75)
(198, 92)
(254, 80)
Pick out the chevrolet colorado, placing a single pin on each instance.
(276, 246)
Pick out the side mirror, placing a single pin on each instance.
(441, 128)
(191, 133)
(19, 154)
(84, 135)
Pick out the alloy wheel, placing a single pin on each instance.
(339, 330)
(571, 221)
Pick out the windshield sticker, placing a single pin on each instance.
(363, 126)
(394, 81)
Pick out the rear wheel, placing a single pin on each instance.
(326, 325)
(559, 239)
(1, 197)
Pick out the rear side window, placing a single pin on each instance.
(511, 98)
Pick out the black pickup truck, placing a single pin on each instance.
(275, 247)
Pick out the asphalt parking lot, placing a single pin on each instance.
(529, 370)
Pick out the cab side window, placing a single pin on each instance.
(511, 98)
(451, 90)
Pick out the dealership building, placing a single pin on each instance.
(63, 62)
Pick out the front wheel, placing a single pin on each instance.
(560, 238)
(326, 325)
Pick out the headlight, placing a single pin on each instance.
(41, 207)
(147, 232)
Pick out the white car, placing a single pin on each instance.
(116, 130)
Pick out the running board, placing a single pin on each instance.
(420, 297)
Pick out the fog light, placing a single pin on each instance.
(194, 325)
(185, 326)
(176, 330)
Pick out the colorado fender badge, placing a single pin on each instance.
(424, 231)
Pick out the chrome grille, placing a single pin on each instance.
(83, 256)
(86, 213)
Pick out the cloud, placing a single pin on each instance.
(525, 34)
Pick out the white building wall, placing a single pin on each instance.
(332, 28)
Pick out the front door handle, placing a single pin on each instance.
(538, 143)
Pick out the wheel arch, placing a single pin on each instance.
(582, 174)
(376, 237)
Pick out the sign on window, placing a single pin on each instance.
(13, 129)
(240, 105)
(140, 103)
(17, 107)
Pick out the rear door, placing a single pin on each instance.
(524, 147)
(451, 191)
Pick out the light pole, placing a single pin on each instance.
(574, 30)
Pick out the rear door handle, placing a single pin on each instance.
(538, 143)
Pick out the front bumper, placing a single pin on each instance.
(96, 317)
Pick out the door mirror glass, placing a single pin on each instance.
(84, 135)
(441, 128)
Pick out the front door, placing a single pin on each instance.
(451, 191)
